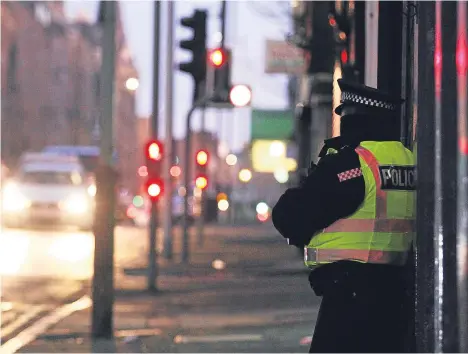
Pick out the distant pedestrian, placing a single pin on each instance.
(354, 217)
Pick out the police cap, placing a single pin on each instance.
(366, 97)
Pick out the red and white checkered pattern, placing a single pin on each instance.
(350, 174)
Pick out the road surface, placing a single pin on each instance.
(252, 305)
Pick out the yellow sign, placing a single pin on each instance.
(269, 156)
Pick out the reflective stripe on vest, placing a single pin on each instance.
(381, 223)
(368, 256)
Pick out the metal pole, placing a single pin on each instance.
(446, 145)
(223, 22)
(425, 201)
(188, 141)
(185, 226)
(152, 254)
(201, 219)
(103, 278)
(169, 112)
(462, 237)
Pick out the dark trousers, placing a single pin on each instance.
(361, 313)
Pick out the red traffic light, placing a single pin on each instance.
(202, 157)
(344, 56)
(217, 57)
(154, 150)
(154, 188)
(201, 182)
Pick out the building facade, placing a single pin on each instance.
(50, 84)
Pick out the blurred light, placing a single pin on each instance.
(14, 250)
(218, 264)
(197, 192)
(6, 306)
(202, 157)
(336, 99)
(281, 175)
(132, 84)
(262, 161)
(217, 58)
(221, 196)
(218, 37)
(438, 53)
(92, 190)
(223, 205)
(13, 200)
(344, 56)
(231, 159)
(181, 191)
(75, 204)
(73, 248)
(223, 149)
(175, 171)
(240, 95)
(461, 55)
(154, 150)
(342, 36)
(277, 149)
(154, 190)
(262, 208)
(331, 21)
(201, 182)
(263, 217)
(138, 201)
(290, 164)
(463, 145)
(131, 212)
(143, 171)
(245, 175)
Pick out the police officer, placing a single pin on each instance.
(354, 217)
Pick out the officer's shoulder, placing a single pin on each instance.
(344, 157)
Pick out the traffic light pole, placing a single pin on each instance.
(152, 253)
(103, 276)
(188, 141)
(167, 249)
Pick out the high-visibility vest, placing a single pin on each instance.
(382, 229)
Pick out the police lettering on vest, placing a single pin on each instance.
(401, 178)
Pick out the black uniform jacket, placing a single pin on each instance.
(319, 201)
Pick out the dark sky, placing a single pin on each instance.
(249, 24)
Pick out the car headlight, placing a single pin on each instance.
(92, 190)
(13, 199)
(75, 204)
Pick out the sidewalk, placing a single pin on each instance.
(258, 284)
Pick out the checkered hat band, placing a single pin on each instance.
(350, 174)
(352, 97)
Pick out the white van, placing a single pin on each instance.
(49, 189)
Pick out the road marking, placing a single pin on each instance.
(179, 339)
(139, 332)
(22, 320)
(40, 326)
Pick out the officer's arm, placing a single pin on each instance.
(321, 200)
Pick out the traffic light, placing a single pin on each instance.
(201, 176)
(154, 156)
(197, 45)
(219, 60)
